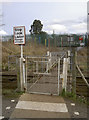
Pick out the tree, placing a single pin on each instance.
(36, 27)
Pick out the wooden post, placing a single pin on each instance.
(73, 70)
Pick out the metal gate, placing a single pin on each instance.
(42, 73)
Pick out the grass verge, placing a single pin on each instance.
(74, 97)
(10, 93)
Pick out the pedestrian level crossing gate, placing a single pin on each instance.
(43, 73)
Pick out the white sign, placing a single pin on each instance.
(19, 35)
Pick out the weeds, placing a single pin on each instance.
(68, 94)
(10, 93)
(74, 97)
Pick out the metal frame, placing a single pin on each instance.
(56, 62)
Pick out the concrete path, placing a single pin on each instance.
(40, 106)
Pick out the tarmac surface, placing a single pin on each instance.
(40, 106)
(75, 109)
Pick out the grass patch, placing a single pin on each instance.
(10, 93)
(82, 99)
(68, 94)
(74, 97)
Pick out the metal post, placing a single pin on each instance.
(21, 70)
(21, 75)
(64, 84)
(69, 60)
(21, 51)
(24, 80)
(50, 57)
(58, 75)
(36, 67)
(26, 73)
(47, 68)
(18, 72)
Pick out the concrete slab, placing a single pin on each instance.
(42, 106)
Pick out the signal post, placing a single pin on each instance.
(19, 39)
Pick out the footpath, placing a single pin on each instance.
(40, 106)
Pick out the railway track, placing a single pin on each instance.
(81, 87)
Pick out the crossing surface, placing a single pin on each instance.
(40, 106)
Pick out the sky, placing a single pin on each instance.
(60, 17)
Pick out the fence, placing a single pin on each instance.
(45, 74)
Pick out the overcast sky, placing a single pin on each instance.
(62, 17)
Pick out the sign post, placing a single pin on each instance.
(21, 51)
(19, 39)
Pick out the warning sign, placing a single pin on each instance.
(19, 35)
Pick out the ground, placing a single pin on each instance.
(6, 102)
(9, 107)
(81, 108)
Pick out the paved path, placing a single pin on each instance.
(40, 106)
